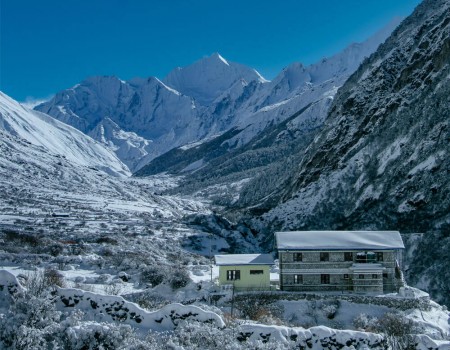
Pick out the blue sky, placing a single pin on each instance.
(50, 45)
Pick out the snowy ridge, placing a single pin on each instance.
(127, 145)
(57, 138)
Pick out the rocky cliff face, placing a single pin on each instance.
(381, 161)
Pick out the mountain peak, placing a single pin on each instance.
(216, 56)
(102, 80)
(207, 78)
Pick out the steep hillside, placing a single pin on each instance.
(57, 138)
(381, 161)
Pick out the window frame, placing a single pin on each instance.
(298, 279)
(324, 256)
(233, 275)
(297, 257)
(325, 278)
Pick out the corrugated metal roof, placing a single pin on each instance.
(244, 259)
(338, 240)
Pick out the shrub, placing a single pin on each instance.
(260, 307)
(330, 310)
(113, 289)
(365, 322)
(107, 240)
(53, 277)
(34, 323)
(39, 281)
(56, 249)
(152, 301)
(179, 278)
(26, 238)
(153, 275)
(29, 323)
(398, 330)
(396, 325)
(35, 283)
(99, 336)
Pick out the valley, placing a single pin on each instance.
(115, 195)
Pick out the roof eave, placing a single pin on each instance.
(339, 249)
(261, 264)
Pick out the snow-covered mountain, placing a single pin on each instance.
(143, 118)
(381, 160)
(197, 102)
(142, 109)
(57, 138)
(293, 106)
(208, 78)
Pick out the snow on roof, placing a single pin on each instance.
(338, 240)
(244, 259)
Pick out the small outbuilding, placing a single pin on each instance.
(245, 271)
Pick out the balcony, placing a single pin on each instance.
(367, 258)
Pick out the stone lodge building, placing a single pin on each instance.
(350, 261)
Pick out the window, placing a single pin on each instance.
(298, 279)
(385, 275)
(361, 257)
(346, 276)
(379, 256)
(256, 272)
(233, 275)
(298, 256)
(325, 279)
(324, 256)
(348, 256)
(374, 276)
(361, 277)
